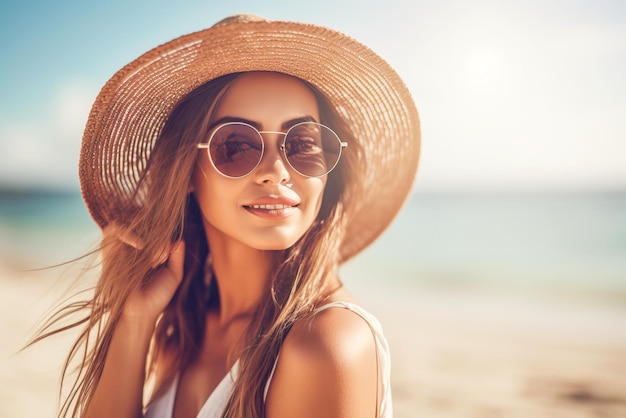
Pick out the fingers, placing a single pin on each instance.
(176, 260)
(113, 229)
(167, 279)
(161, 258)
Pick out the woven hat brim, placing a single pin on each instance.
(132, 108)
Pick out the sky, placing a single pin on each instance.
(512, 95)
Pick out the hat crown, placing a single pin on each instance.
(240, 18)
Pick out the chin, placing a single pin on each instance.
(277, 245)
(277, 241)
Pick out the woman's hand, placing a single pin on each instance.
(151, 300)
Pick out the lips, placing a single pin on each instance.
(271, 207)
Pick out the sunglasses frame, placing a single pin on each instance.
(207, 146)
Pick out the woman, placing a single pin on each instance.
(232, 171)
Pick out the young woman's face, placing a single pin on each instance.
(273, 206)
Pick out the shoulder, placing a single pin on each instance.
(327, 367)
(329, 333)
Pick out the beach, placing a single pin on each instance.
(459, 355)
(493, 306)
(453, 354)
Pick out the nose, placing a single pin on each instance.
(272, 168)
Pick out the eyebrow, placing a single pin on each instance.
(286, 125)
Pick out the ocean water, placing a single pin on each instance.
(567, 244)
(40, 228)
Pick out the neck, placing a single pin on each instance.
(242, 275)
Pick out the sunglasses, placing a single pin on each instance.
(310, 148)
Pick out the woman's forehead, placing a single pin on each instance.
(269, 99)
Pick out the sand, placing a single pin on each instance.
(472, 355)
(454, 353)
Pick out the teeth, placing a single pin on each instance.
(270, 207)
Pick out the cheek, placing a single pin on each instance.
(205, 189)
(204, 178)
(316, 194)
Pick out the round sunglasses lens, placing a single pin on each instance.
(312, 149)
(235, 149)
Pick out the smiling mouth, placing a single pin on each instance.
(272, 211)
(271, 207)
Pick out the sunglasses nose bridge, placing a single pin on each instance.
(273, 166)
(273, 140)
(280, 136)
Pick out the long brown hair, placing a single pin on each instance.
(164, 211)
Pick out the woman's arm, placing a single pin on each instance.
(119, 391)
(327, 368)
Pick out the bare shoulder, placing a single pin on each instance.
(327, 367)
(336, 336)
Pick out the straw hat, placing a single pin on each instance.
(132, 107)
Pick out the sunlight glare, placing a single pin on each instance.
(481, 65)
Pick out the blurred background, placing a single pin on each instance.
(502, 283)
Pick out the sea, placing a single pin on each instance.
(568, 245)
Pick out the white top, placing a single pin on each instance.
(163, 407)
